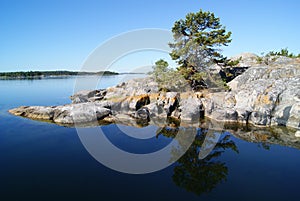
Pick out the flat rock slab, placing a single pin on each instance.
(66, 114)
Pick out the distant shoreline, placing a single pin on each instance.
(23, 75)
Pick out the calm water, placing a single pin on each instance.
(41, 161)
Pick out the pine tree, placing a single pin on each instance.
(197, 40)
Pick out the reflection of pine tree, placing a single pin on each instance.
(202, 176)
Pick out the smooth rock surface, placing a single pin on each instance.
(66, 114)
(297, 134)
(88, 96)
(191, 108)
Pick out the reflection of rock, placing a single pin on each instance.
(276, 135)
(143, 114)
(192, 173)
(202, 175)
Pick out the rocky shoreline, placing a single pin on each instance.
(261, 96)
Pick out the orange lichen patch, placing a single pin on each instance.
(15, 112)
(261, 137)
(199, 94)
(110, 89)
(264, 99)
(230, 100)
(269, 88)
(154, 96)
(162, 97)
(116, 99)
(186, 95)
(297, 61)
(129, 98)
(174, 99)
(142, 97)
(209, 96)
(203, 93)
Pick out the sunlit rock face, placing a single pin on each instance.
(263, 96)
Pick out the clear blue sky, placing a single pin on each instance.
(60, 34)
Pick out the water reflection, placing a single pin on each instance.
(201, 175)
(201, 168)
(265, 137)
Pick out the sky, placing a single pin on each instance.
(61, 34)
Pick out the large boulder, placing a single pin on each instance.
(169, 101)
(134, 87)
(79, 113)
(88, 96)
(136, 102)
(262, 96)
(163, 105)
(246, 59)
(191, 107)
(34, 112)
(156, 110)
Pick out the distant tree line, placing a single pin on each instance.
(284, 52)
(272, 56)
(33, 74)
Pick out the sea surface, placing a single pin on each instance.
(44, 161)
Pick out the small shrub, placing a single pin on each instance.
(284, 52)
(233, 62)
(167, 78)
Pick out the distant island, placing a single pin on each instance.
(47, 74)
